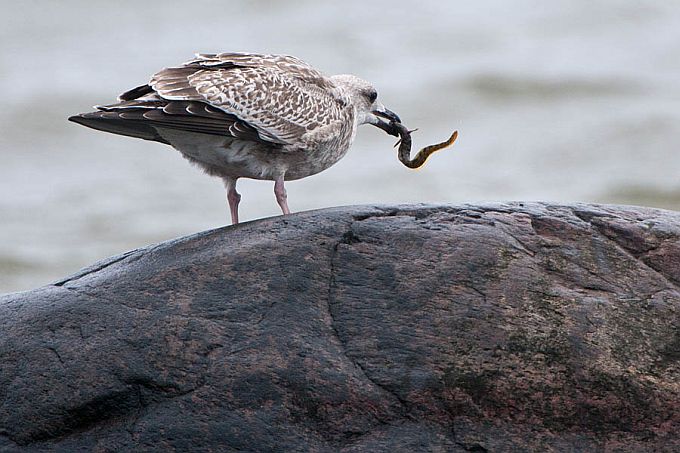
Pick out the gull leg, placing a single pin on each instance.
(281, 196)
(233, 198)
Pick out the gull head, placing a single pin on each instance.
(364, 97)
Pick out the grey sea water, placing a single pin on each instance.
(569, 100)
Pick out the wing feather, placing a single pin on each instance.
(274, 99)
(138, 115)
(281, 97)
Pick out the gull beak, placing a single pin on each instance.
(389, 115)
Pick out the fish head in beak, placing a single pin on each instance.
(380, 114)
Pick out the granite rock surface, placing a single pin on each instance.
(498, 327)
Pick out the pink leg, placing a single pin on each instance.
(233, 198)
(281, 197)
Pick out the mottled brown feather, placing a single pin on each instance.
(272, 99)
(271, 93)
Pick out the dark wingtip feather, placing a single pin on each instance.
(85, 118)
(135, 93)
(112, 123)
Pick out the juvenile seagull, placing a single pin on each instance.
(242, 115)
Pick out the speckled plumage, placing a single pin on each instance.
(240, 115)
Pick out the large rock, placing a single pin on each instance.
(502, 327)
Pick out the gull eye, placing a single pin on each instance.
(372, 96)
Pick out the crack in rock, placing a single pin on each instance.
(349, 237)
(135, 254)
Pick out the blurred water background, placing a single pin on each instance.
(568, 100)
